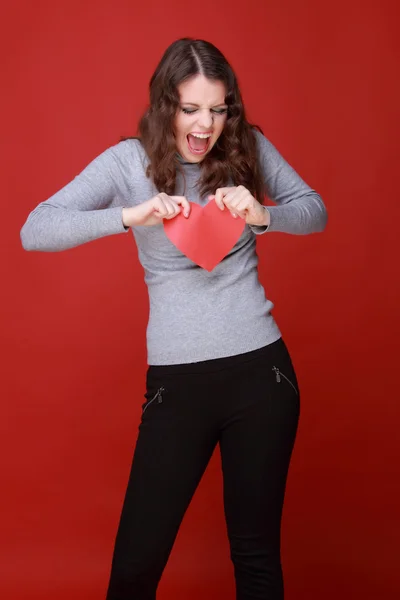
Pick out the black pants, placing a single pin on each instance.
(249, 405)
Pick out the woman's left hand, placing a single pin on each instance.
(242, 204)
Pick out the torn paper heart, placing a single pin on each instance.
(207, 235)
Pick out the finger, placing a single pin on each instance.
(247, 204)
(244, 204)
(184, 202)
(171, 205)
(228, 189)
(231, 201)
(160, 207)
(173, 209)
(235, 210)
(219, 197)
(240, 201)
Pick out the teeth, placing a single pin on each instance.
(202, 136)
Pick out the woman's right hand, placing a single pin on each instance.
(153, 211)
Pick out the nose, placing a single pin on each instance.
(205, 118)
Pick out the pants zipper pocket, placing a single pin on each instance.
(279, 375)
(157, 396)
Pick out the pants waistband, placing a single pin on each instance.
(216, 364)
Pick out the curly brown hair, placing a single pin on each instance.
(235, 152)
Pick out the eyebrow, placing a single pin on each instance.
(193, 104)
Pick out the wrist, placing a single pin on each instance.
(124, 218)
(128, 217)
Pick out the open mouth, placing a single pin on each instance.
(198, 144)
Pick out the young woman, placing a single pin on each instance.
(219, 371)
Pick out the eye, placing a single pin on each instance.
(188, 111)
(216, 111)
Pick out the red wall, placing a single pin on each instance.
(320, 78)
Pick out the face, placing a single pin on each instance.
(201, 117)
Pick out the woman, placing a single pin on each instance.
(219, 371)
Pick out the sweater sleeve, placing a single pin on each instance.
(87, 208)
(299, 209)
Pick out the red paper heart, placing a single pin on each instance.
(207, 235)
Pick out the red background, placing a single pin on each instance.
(321, 79)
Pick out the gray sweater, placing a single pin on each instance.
(195, 315)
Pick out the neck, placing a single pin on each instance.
(183, 161)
